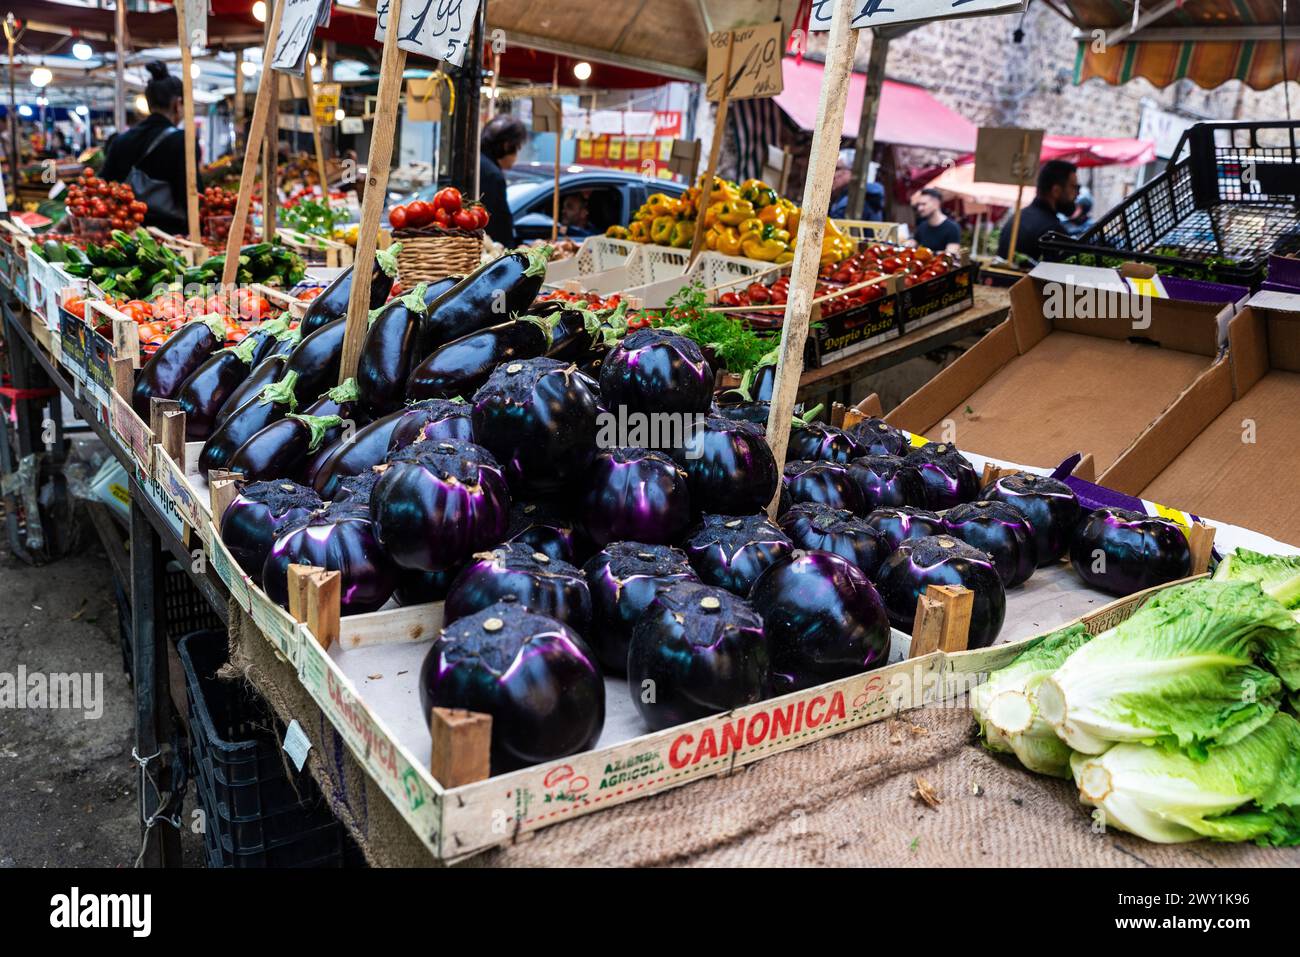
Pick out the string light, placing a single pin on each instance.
(259, 11)
(82, 50)
(41, 76)
(582, 70)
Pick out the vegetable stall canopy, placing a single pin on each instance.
(1206, 41)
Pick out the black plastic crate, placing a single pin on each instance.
(1217, 213)
(185, 610)
(259, 811)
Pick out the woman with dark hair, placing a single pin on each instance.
(499, 147)
(151, 155)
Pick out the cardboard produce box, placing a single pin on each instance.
(1230, 449)
(1054, 378)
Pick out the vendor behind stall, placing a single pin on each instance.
(934, 229)
(150, 156)
(499, 147)
(1058, 187)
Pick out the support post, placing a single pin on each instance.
(715, 150)
(866, 142)
(119, 85)
(187, 99)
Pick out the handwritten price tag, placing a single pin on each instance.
(877, 13)
(755, 62)
(297, 25)
(434, 28)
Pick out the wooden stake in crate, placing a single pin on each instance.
(462, 746)
(1201, 539)
(942, 620)
(715, 150)
(187, 87)
(314, 596)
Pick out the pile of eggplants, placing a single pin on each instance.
(167, 371)
(332, 303)
(389, 350)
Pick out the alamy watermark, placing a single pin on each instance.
(55, 691)
(662, 431)
(1068, 301)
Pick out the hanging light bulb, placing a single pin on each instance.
(311, 58)
(82, 50)
(582, 70)
(248, 68)
(141, 104)
(82, 110)
(339, 116)
(259, 11)
(25, 111)
(195, 70)
(41, 77)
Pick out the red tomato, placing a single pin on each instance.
(309, 294)
(448, 199)
(397, 217)
(442, 217)
(465, 219)
(758, 293)
(729, 299)
(480, 215)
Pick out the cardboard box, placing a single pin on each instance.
(1053, 380)
(1229, 449)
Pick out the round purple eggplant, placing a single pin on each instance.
(1121, 552)
(441, 420)
(356, 490)
(819, 442)
(999, 531)
(207, 389)
(366, 448)
(547, 528)
(1050, 507)
(822, 618)
(949, 478)
(696, 651)
(276, 401)
(258, 515)
(943, 560)
(413, 587)
(623, 579)
(460, 367)
(267, 371)
(756, 412)
(175, 361)
(539, 418)
(437, 504)
(898, 523)
(539, 584)
(635, 494)
(653, 370)
(887, 480)
(341, 539)
(815, 527)
(729, 467)
(532, 674)
(731, 551)
(828, 483)
(878, 437)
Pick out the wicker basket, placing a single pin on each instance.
(429, 254)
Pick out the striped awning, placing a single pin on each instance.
(1206, 41)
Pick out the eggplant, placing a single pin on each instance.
(623, 579)
(887, 480)
(825, 482)
(437, 504)
(1050, 506)
(572, 338)
(949, 478)
(175, 361)
(389, 351)
(1121, 552)
(655, 370)
(532, 674)
(756, 412)
(415, 587)
(999, 531)
(898, 523)
(547, 587)
(317, 360)
(280, 342)
(355, 490)
(439, 420)
(332, 303)
(635, 494)
(547, 528)
(819, 442)
(701, 650)
(822, 618)
(539, 418)
(878, 437)
(731, 552)
(341, 539)
(258, 515)
(461, 366)
(278, 451)
(343, 401)
(730, 470)
(367, 448)
(816, 527)
(275, 402)
(207, 390)
(943, 560)
(264, 373)
(487, 296)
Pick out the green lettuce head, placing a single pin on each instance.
(1278, 575)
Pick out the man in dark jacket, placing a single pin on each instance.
(1058, 186)
(499, 147)
(156, 147)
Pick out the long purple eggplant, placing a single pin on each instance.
(176, 360)
(367, 448)
(317, 359)
(264, 373)
(278, 451)
(389, 350)
(275, 402)
(332, 304)
(280, 343)
(205, 392)
(488, 295)
(344, 401)
(461, 366)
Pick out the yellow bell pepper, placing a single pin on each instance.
(792, 216)
(782, 236)
(764, 249)
(661, 230)
(735, 211)
(617, 232)
(751, 225)
(639, 231)
(683, 234)
(785, 257)
(658, 204)
(722, 189)
(773, 215)
(726, 239)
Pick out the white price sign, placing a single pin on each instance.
(878, 13)
(297, 26)
(434, 28)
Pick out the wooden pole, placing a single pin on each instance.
(271, 147)
(866, 142)
(240, 106)
(559, 135)
(315, 137)
(187, 99)
(372, 203)
(252, 149)
(15, 151)
(496, 72)
(715, 149)
(1020, 196)
(812, 227)
(119, 88)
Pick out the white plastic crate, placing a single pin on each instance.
(712, 269)
(596, 254)
(45, 283)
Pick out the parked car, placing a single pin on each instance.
(591, 198)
